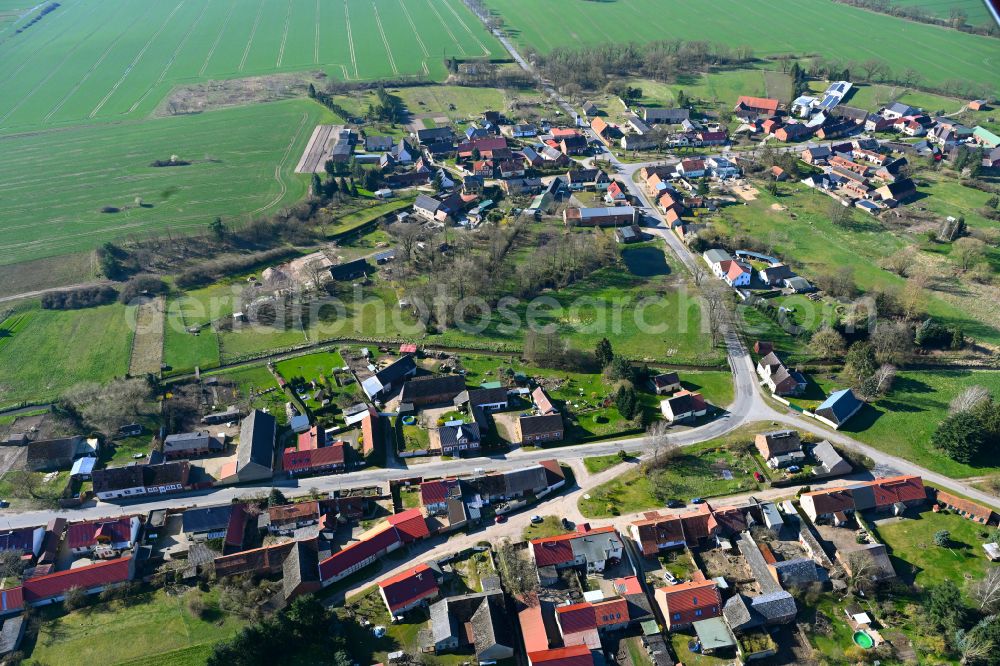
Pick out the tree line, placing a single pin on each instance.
(592, 68)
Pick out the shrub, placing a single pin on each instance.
(75, 299)
(142, 285)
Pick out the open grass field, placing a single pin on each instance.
(90, 61)
(770, 28)
(57, 182)
(804, 236)
(51, 350)
(156, 628)
(902, 423)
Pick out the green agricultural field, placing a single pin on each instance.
(242, 161)
(153, 628)
(89, 61)
(903, 422)
(815, 26)
(52, 350)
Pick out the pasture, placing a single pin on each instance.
(111, 60)
(770, 28)
(974, 10)
(56, 182)
(49, 351)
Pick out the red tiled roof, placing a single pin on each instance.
(12, 599)
(410, 524)
(968, 507)
(88, 577)
(698, 524)
(736, 270)
(762, 103)
(344, 559)
(628, 585)
(598, 125)
(898, 489)
(541, 400)
(659, 529)
(575, 655)
(557, 549)
(408, 587)
(832, 500)
(368, 432)
(408, 348)
(576, 618)
(731, 518)
(435, 492)
(293, 512)
(313, 438)
(484, 145)
(102, 530)
(691, 596)
(693, 165)
(563, 132)
(611, 611)
(237, 526)
(296, 461)
(533, 628)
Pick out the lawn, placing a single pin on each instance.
(943, 53)
(680, 642)
(14, 489)
(415, 438)
(255, 379)
(310, 366)
(903, 422)
(242, 161)
(50, 351)
(598, 464)
(149, 629)
(911, 544)
(694, 471)
(550, 526)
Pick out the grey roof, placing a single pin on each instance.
(796, 573)
(54, 452)
(427, 203)
(256, 441)
(117, 478)
(425, 387)
(520, 480)
(595, 547)
(301, 565)
(782, 441)
(713, 634)
(716, 255)
(839, 406)
(187, 441)
(491, 396)
(206, 519)
(775, 607)
(451, 435)
(11, 634)
(829, 460)
(770, 359)
(484, 610)
(433, 134)
(665, 115)
(779, 272)
(739, 614)
(543, 424)
(758, 566)
(899, 107)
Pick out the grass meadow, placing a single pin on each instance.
(770, 28)
(90, 61)
(46, 352)
(153, 628)
(975, 11)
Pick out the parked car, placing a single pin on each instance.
(793, 469)
(536, 519)
(674, 504)
(501, 519)
(4, 504)
(567, 524)
(697, 500)
(758, 477)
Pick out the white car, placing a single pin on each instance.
(536, 519)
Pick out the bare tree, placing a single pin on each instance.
(968, 399)
(11, 564)
(861, 570)
(973, 645)
(987, 591)
(715, 300)
(698, 273)
(517, 574)
(663, 448)
(316, 272)
(968, 251)
(884, 378)
(827, 343)
(892, 341)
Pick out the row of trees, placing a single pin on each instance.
(666, 60)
